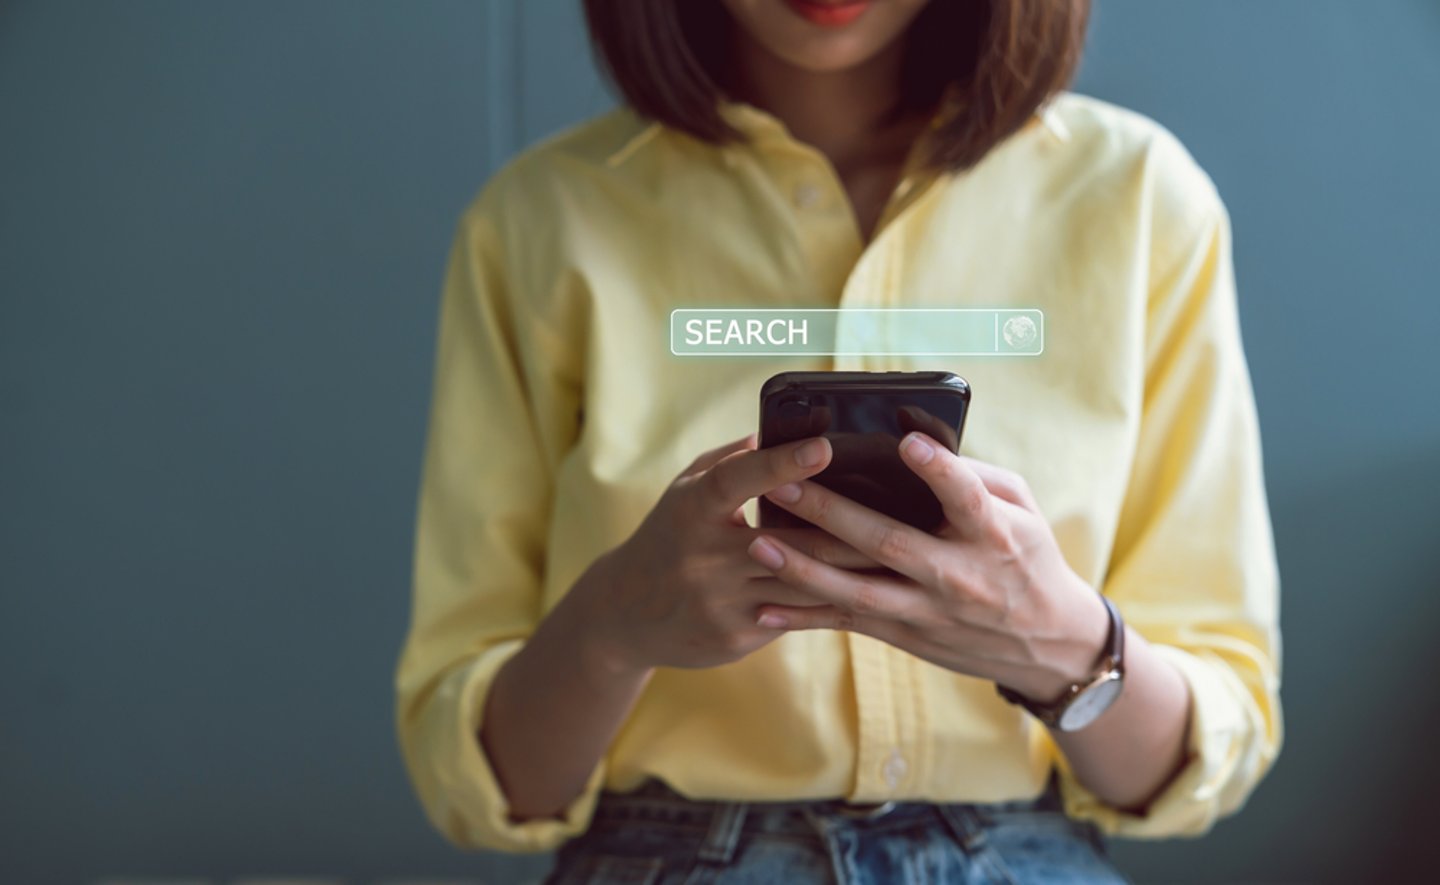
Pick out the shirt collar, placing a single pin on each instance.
(760, 125)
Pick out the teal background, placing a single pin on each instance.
(222, 232)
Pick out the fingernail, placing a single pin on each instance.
(789, 493)
(917, 449)
(771, 620)
(767, 554)
(811, 453)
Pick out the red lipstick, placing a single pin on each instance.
(829, 14)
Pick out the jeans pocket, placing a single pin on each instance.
(1050, 848)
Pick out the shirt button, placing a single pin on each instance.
(807, 195)
(894, 769)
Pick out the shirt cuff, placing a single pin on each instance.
(469, 807)
(1225, 758)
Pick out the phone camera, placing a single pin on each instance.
(794, 409)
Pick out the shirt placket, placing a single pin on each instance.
(886, 685)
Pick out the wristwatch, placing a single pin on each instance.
(1083, 702)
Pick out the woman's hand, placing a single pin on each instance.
(681, 591)
(989, 594)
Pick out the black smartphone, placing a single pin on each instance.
(865, 415)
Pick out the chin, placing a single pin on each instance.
(825, 54)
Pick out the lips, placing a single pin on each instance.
(829, 14)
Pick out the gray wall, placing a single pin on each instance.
(222, 229)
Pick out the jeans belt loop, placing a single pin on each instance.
(724, 833)
(966, 822)
(868, 811)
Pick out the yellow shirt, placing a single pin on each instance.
(559, 414)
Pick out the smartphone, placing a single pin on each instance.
(865, 415)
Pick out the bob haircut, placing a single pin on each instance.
(994, 62)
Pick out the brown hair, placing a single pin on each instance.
(1003, 58)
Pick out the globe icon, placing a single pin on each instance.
(1019, 332)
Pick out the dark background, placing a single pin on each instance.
(222, 232)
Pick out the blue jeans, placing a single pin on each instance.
(655, 836)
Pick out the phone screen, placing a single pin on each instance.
(865, 427)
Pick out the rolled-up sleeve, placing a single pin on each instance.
(1193, 567)
(500, 419)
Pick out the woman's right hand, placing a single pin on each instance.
(682, 591)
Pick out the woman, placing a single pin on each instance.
(599, 637)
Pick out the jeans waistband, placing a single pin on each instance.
(720, 822)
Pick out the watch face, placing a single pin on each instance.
(1090, 703)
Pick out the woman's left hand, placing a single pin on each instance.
(988, 594)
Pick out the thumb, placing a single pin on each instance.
(709, 459)
(804, 617)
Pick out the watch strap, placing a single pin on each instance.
(1112, 659)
